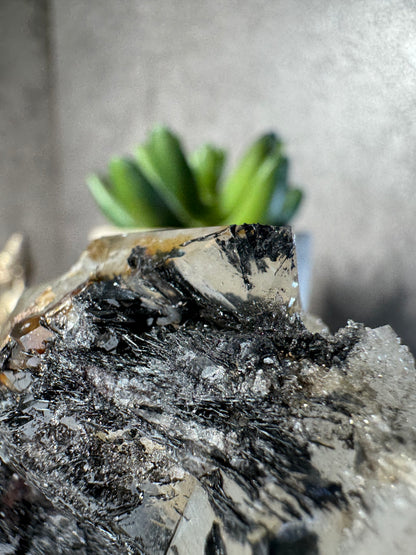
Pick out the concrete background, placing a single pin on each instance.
(81, 81)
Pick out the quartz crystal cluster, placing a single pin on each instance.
(168, 395)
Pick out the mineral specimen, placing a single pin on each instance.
(168, 395)
(12, 275)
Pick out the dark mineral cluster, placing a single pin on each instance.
(168, 395)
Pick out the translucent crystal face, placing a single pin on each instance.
(165, 397)
(231, 265)
(241, 263)
(12, 275)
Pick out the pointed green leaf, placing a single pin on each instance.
(162, 157)
(279, 194)
(109, 205)
(138, 196)
(207, 163)
(238, 184)
(149, 169)
(254, 206)
(290, 207)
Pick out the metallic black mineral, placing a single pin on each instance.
(177, 403)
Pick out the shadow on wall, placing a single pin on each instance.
(342, 302)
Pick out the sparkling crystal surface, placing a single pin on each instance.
(166, 396)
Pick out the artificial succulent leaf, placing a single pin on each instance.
(291, 205)
(207, 163)
(111, 207)
(138, 196)
(239, 182)
(254, 205)
(280, 189)
(170, 164)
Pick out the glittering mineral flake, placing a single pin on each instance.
(168, 395)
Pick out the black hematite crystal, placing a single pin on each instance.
(165, 396)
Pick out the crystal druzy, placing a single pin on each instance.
(168, 395)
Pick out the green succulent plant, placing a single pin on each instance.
(163, 187)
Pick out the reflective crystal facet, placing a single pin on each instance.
(12, 275)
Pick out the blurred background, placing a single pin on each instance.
(81, 81)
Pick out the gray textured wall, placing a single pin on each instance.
(29, 193)
(336, 79)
